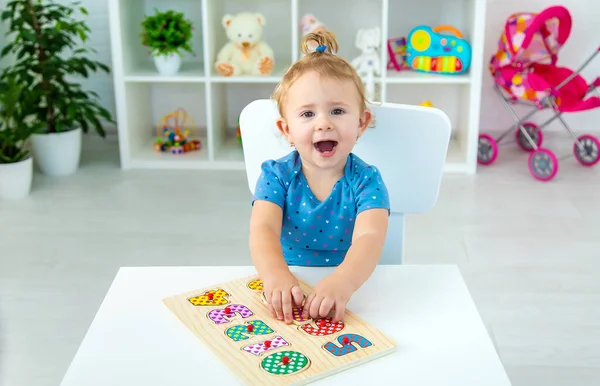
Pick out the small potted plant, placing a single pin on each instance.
(16, 165)
(167, 35)
(49, 56)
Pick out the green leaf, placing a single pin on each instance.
(50, 64)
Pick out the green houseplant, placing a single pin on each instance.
(46, 41)
(16, 127)
(167, 35)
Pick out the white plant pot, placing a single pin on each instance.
(57, 154)
(15, 179)
(167, 65)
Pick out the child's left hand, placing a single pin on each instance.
(331, 293)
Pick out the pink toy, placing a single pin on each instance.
(397, 54)
(525, 72)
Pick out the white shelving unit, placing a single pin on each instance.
(214, 102)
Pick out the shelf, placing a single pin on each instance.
(190, 72)
(414, 77)
(143, 96)
(230, 151)
(456, 160)
(146, 158)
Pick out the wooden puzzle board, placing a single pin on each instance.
(271, 352)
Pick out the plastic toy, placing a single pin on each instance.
(175, 128)
(525, 72)
(368, 64)
(427, 103)
(245, 53)
(430, 51)
(397, 54)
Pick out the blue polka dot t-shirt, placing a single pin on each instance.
(316, 233)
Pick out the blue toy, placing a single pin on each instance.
(428, 50)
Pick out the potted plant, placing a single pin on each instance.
(167, 34)
(49, 56)
(16, 165)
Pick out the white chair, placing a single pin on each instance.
(408, 144)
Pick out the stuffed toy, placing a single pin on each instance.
(368, 63)
(245, 53)
(309, 23)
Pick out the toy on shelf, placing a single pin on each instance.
(397, 54)
(245, 53)
(368, 64)
(426, 103)
(309, 23)
(175, 128)
(428, 50)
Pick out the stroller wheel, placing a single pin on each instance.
(487, 149)
(534, 133)
(590, 155)
(543, 164)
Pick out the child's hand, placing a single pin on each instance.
(282, 293)
(331, 293)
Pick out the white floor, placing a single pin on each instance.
(529, 252)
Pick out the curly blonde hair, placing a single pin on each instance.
(323, 61)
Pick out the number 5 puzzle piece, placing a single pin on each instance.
(254, 327)
(347, 347)
(223, 315)
(214, 297)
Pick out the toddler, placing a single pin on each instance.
(320, 205)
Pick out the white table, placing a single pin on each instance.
(135, 340)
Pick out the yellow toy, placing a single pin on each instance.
(176, 128)
(427, 103)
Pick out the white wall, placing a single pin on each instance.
(583, 41)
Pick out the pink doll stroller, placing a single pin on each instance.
(525, 72)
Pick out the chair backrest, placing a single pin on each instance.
(408, 144)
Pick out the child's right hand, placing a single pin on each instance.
(282, 292)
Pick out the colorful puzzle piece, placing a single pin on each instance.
(256, 285)
(322, 327)
(262, 347)
(214, 297)
(347, 347)
(285, 362)
(254, 327)
(222, 315)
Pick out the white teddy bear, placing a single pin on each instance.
(368, 64)
(245, 53)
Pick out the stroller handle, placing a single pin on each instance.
(452, 29)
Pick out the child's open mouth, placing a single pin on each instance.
(326, 148)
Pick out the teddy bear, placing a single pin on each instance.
(245, 53)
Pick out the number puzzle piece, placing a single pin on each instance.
(214, 297)
(254, 327)
(285, 362)
(297, 315)
(256, 285)
(223, 315)
(296, 312)
(347, 347)
(322, 327)
(259, 348)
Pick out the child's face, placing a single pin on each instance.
(323, 119)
